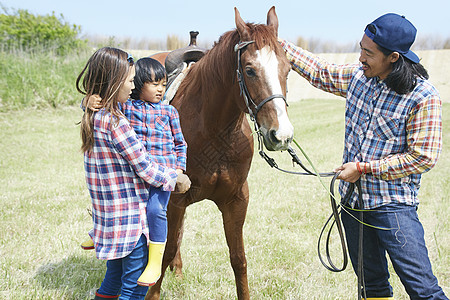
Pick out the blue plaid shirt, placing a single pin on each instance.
(399, 135)
(158, 127)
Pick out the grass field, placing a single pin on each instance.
(44, 217)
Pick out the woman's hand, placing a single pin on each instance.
(183, 184)
(94, 102)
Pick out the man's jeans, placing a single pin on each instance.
(122, 274)
(403, 241)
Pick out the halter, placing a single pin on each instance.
(243, 87)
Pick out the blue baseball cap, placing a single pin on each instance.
(395, 33)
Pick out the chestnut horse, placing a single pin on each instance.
(220, 143)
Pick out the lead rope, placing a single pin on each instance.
(360, 274)
(333, 218)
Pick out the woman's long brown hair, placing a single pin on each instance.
(104, 74)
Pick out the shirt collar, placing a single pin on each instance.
(141, 102)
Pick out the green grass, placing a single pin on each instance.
(39, 80)
(44, 217)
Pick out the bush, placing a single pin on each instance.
(23, 31)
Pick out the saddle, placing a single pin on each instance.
(178, 62)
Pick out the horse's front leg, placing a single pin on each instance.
(233, 214)
(176, 264)
(175, 220)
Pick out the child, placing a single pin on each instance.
(118, 173)
(158, 126)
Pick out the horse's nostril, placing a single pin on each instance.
(273, 136)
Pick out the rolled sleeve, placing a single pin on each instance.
(424, 138)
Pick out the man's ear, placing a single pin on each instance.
(394, 56)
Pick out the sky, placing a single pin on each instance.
(339, 21)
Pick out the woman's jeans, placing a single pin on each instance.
(157, 215)
(122, 274)
(402, 237)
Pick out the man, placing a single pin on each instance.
(393, 133)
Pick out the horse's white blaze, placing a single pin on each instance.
(269, 61)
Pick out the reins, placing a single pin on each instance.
(334, 217)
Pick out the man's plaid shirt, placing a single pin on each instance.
(399, 135)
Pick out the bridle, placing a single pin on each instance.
(243, 87)
(295, 159)
(250, 102)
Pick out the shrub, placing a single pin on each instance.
(23, 31)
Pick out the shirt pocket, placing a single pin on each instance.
(162, 123)
(383, 137)
(386, 128)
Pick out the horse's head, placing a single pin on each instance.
(263, 69)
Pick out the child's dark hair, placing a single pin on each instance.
(147, 70)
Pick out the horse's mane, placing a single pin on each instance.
(219, 64)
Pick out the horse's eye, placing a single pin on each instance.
(250, 72)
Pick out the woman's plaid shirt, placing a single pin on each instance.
(119, 173)
(399, 135)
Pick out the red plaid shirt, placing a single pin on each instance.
(118, 175)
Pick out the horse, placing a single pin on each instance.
(213, 101)
(160, 56)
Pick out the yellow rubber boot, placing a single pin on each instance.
(88, 244)
(152, 271)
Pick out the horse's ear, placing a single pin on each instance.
(272, 19)
(242, 28)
